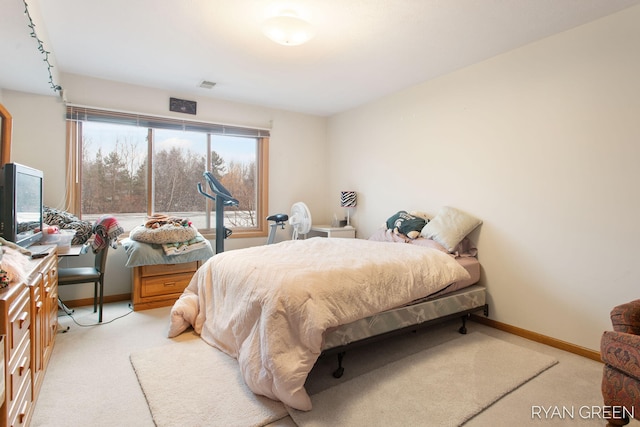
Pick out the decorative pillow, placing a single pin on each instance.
(449, 227)
(407, 224)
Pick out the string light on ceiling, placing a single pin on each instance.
(41, 48)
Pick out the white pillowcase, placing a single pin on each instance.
(449, 227)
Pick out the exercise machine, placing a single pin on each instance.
(277, 220)
(223, 198)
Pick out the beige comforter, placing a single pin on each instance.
(269, 306)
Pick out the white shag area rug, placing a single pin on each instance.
(193, 384)
(445, 385)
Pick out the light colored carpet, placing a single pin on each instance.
(193, 384)
(90, 380)
(445, 386)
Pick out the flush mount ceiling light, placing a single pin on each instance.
(288, 29)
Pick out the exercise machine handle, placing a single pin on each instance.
(218, 190)
(223, 198)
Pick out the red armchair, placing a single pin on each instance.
(620, 352)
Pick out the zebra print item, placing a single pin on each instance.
(67, 221)
(347, 199)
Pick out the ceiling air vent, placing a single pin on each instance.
(206, 84)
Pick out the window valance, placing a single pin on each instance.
(81, 113)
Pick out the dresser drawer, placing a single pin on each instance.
(20, 409)
(19, 370)
(164, 285)
(19, 321)
(25, 314)
(161, 269)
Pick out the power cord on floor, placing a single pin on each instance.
(69, 312)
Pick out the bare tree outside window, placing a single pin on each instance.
(132, 171)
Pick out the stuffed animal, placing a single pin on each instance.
(407, 224)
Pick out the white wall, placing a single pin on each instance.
(297, 152)
(39, 139)
(543, 144)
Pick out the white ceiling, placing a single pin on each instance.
(363, 49)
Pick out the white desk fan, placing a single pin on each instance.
(300, 219)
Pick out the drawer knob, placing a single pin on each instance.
(23, 365)
(22, 318)
(23, 412)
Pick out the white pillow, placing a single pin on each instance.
(449, 227)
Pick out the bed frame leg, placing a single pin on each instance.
(340, 370)
(463, 328)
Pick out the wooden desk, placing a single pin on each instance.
(74, 250)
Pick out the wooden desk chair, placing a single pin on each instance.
(95, 275)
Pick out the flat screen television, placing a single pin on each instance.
(21, 204)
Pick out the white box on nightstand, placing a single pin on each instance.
(328, 231)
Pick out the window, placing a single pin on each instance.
(133, 166)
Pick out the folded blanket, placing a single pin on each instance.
(66, 221)
(184, 247)
(139, 253)
(107, 229)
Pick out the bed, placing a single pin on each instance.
(277, 308)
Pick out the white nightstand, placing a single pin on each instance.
(328, 231)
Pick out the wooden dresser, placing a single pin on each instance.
(160, 285)
(29, 322)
